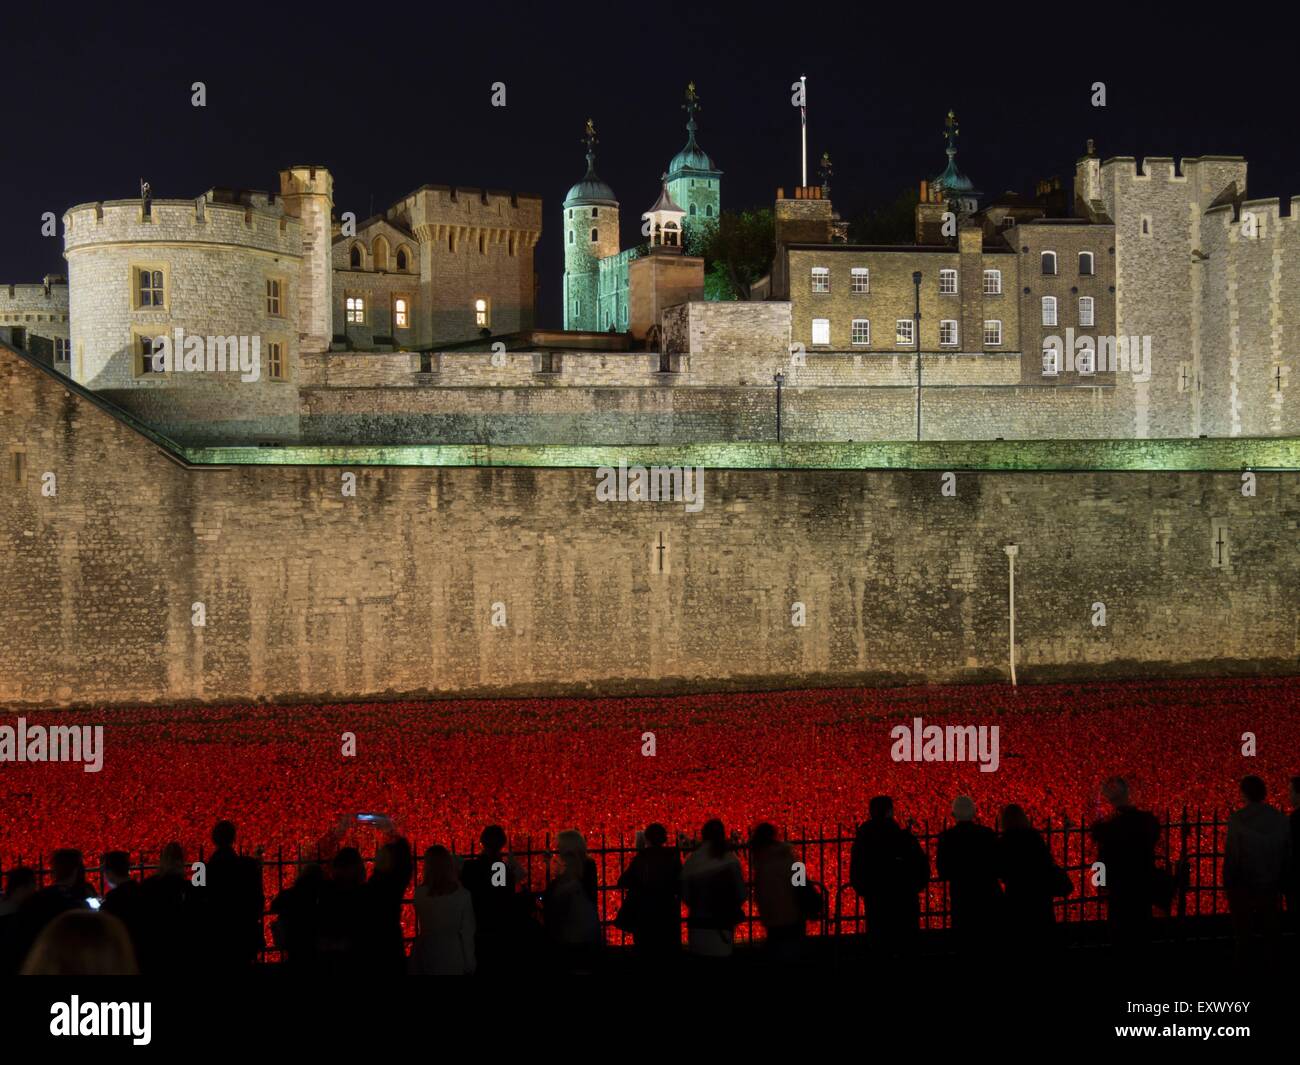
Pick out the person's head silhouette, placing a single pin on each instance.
(223, 834)
(881, 808)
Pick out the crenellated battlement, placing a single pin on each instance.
(249, 219)
(1164, 167)
(431, 209)
(51, 298)
(1266, 210)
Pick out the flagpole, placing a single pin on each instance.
(803, 116)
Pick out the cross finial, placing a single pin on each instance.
(691, 105)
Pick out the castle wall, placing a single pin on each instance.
(1248, 282)
(313, 595)
(35, 318)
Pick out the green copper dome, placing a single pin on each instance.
(954, 179)
(590, 190)
(692, 157)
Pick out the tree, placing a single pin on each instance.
(892, 223)
(737, 247)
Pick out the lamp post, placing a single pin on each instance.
(916, 337)
(779, 378)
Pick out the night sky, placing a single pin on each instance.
(392, 98)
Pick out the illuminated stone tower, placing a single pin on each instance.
(590, 234)
(693, 181)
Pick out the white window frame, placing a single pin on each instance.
(1087, 311)
(62, 349)
(822, 327)
(996, 323)
(1051, 362)
(860, 280)
(947, 282)
(1042, 263)
(904, 333)
(866, 332)
(821, 279)
(944, 328)
(1049, 314)
(1085, 361)
(1092, 264)
(994, 276)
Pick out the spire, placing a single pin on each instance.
(950, 135)
(691, 105)
(590, 140)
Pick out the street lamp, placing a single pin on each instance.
(916, 338)
(779, 378)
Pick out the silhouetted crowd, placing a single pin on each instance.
(478, 915)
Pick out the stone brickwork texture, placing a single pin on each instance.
(310, 594)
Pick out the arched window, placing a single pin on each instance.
(402, 261)
(1085, 264)
(354, 257)
(593, 236)
(1049, 262)
(379, 251)
(708, 210)
(692, 210)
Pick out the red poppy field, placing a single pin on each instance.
(804, 760)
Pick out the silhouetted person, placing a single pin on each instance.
(771, 868)
(966, 857)
(570, 907)
(342, 916)
(501, 910)
(20, 885)
(296, 928)
(713, 888)
(652, 903)
(122, 895)
(445, 945)
(171, 916)
(1256, 864)
(1031, 879)
(67, 890)
(888, 870)
(385, 942)
(1126, 847)
(1293, 880)
(79, 942)
(234, 902)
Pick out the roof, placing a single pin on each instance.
(665, 202)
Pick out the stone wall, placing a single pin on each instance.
(312, 594)
(35, 318)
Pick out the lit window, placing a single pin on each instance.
(1049, 310)
(903, 332)
(821, 331)
(1049, 263)
(992, 282)
(860, 279)
(1085, 360)
(821, 278)
(992, 334)
(481, 311)
(149, 291)
(273, 297)
(401, 313)
(861, 332)
(947, 282)
(355, 310)
(1085, 264)
(948, 333)
(275, 361)
(1050, 362)
(1085, 310)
